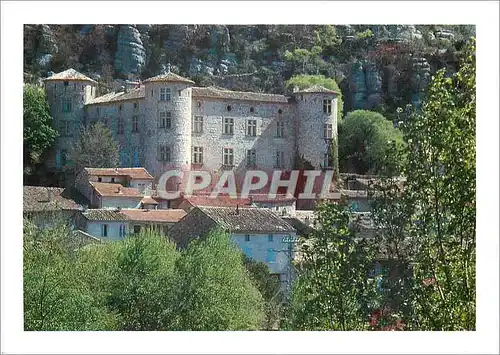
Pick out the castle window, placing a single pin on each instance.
(74, 86)
(66, 83)
(270, 238)
(251, 157)
(164, 153)
(280, 159)
(327, 106)
(280, 129)
(327, 161)
(252, 128)
(120, 129)
(252, 109)
(83, 88)
(280, 111)
(228, 107)
(120, 107)
(199, 104)
(228, 125)
(165, 119)
(136, 105)
(198, 124)
(105, 122)
(327, 131)
(135, 124)
(98, 110)
(65, 128)
(228, 156)
(247, 237)
(164, 94)
(180, 93)
(104, 230)
(198, 155)
(66, 105)
(64, 157)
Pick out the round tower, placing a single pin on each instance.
(316, 125)
(168, 123)
(67, 93)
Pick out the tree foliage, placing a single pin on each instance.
(434, 216)
(95, 148)
(333, 290)
(38, 133)
(367, 143)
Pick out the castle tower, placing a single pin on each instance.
(168, 123)
(316, 125)
(67, 93)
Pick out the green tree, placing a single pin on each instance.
(441, 185)
(95, 148)
(38, 133)
(141, 287)
(306, 81)
(269, 288)
(214, 290)
(333, 290)
(55, 296)
(366, 141)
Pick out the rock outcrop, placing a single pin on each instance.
(130, 57)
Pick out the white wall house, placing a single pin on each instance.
(260, 234)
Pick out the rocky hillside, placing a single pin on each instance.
(377, 67)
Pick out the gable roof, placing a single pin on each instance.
(131, 94)
(134, 173)
(219, 93)
(166, 216)
(115, 190)
(220, 201)
(69, 74)
(315, 89)
(248, 220)
(41, 198)
(168, 77)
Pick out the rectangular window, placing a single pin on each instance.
(271, 256)
(66, 83)
(98, 111)
(228, 125)
(135, 124)
(120, 107)
(104, 230)
(252, 128)
(66, 105)
(251, 157)
(122, 230)
(198, 155)
(165, 120)
(198, 124)
(164, 94)
(270, 238)
(64, 157)
(280, 129)
(137, 229)
(280, 159)
(328, 132)
(65, 128)
(120, 129)
(247, 237)
(327, 161)
(327, 106)
(136, 105)
(228, 157)
(180, 93)
(164, 153)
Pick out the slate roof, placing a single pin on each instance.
(134, 173)
(70, 74)
(115, 190)
(104, 215)
(247, 220)
(165, 216)
(316, 89)
(131, 94)
(41, 198)
(220, 93)
(168, 77)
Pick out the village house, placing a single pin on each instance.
(47, 206)
(111, 225)
(261, 235)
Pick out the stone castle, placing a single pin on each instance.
(167, 121)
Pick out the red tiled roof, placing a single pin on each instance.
(134, 173)
(168, 216)
(116, 190)
(149, 201)
(268, 199)
(219, 201)
(69, 74)
(169, 77)
(41, 198)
